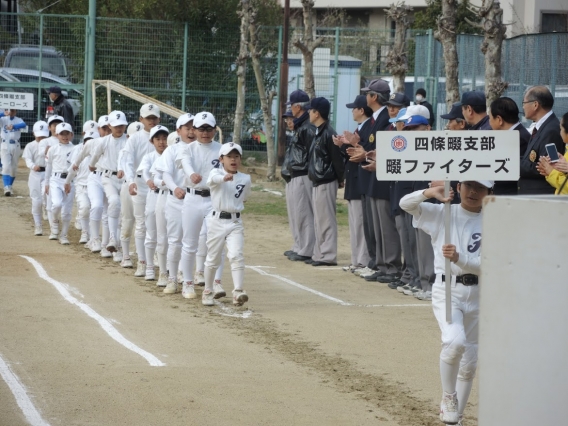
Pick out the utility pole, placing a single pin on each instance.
(283, 84)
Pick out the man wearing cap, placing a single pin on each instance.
(105, 157)
(420, 99)
(326, 171)
(396, 102)
(10, 147)
(134, 190)
(61, 106)
(299, 191)
(474, 110)
(504, 115)
(455, 117)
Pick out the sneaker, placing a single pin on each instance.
(162, 280)
(425, 295)
(180, 277)
(365, 270)
(395, 284)
(7, 191)
(53, 236)
(449, 409)
(96, 246)
(349, 268)
(239, 297)
(200, 279)
(171, 286)
(404, 287)
(78, 226)
(38, 230)
(84, 238)
(150, 275)
(88, 245)
(117, 257)
(411, 291)
(105, 253)
(368, 274)
(218, 290)
(126, 263)
(63, 240)
(207, 298)
(140, 269)
(188, 291)
(111, 246)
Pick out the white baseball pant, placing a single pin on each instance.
(162, 230)
(111, 186)
(99, 207)
(10, 155)
(83, 206)
(126, 218)
(151, 239)
(219, 232)
(61, 203)
(139, 208)
(175, 233)
(36, 187)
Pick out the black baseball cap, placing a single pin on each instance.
(473, 98)
(359, 102)
(298, 96)
(455, 112)
(54, 89)
(398, 99)
(378, 85)
(321, 105)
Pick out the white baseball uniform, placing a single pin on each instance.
(81, 180)
(57, 164)
(225, 226)
(200, 159)
(34, 156)
(10, 147)
(458, 358)
(44, 146)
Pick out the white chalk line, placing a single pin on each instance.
(325, 296)
(22, 399)
(103, 322)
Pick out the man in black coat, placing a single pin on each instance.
(537, 105)
(474, 110)
(61, 106)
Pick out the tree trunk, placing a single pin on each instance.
(397, 62)
(492, 46)
(265, 98)
(307, 46)
(446, 34)
(241, 73)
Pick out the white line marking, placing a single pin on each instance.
(24, 402)
(395, 306)
(104, 323)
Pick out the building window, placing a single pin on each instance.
(393, 28)
(554, 22)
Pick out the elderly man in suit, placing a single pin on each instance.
(537, 105)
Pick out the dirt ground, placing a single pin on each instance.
(314, 346)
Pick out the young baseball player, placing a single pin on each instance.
(174, 178)
(35, 161)
(133, 127)
(458, 359)
(10, 147)
(159, 139)
(229, 190)
(105, 157)
(197, 161)
(81, 181)
(57, 165)
(134, 189)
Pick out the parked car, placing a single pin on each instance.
(27, 57)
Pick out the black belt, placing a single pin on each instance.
(139, 176)
(202, 192)
(467, 279)
(112, 173)
(41, 169)
(61, 175)
(171, 192)
(96, 172)
(157, 190)
(226, 215)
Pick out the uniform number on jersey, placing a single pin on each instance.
(476, 243)
(216, 163)
(240, 189)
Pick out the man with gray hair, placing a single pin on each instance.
(299, 190)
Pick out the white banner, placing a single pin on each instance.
(448, 155)
(11, 100)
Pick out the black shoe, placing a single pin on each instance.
(299, 258)
(318, 263)
(375, 276)
(289, 253)
(309, 261)
(388, 278)
(395, 284)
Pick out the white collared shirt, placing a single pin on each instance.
(542, 120)
(377, 112)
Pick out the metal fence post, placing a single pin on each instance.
(279, 83)
(90, 59)
(183, 83)
(522, 73)
(428, 79)
(553, 66)
(40, 67)
(335, 77)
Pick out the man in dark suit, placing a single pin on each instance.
(537, 105)
(474, 110)
(504, 115)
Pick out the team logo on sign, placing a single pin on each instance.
(398, 143)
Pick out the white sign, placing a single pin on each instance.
(448, 155)
(11, 100)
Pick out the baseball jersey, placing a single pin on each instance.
(48, 143)
(466, 232)
(228, 196)
(15, 133)
(136, 147)
(199, 158)
(33, 155)
(146, 164)
(58, 160)
(82, 174)
(166, 164)
(105, 155)
(86, 151)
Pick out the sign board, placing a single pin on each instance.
(448, 155)
(11, 100)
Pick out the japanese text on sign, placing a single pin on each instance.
(11, 100)
(448, 155)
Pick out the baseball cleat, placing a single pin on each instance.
(105, 253)
(64, 240)
(449, 409)
(126, 263)
(53, 236)
(239, 297)
(140, 269)
(117, 256)
(199, 279)
(150, 274)
(96, 246)
(38, 231)
(84, 238)
(162, 280)
(111, 246)
(171, 286)
(207, 298)
(7, 191)
(188, 291)
(218, 290)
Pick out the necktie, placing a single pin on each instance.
(534, 132)
(372, 121)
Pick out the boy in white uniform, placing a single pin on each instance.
(458, 359)
(35, 161)
(10, 147)
(197, 161)
(57, 165)
(105, 157)
(88, 127)
(81, 176)
(158, 139)
(229, 191)
(134, 190)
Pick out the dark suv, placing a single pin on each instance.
(27, 57)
